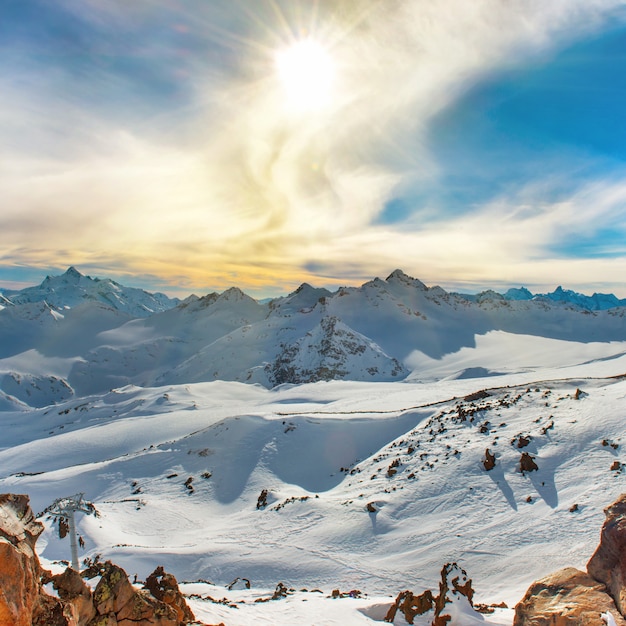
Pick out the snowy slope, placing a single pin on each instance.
(323, 452)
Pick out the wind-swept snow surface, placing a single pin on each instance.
(332, 485)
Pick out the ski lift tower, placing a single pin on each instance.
(63, 509)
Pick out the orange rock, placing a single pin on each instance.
(568, 597)
(144, 610)
(76, 596)
(113, 590)
(411, 605)
(608, 563)
(19, 566)
(164, 587)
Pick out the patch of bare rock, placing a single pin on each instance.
(571, 597)
(114, 602)
(454, 599)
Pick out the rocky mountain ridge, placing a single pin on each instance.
(73, 288)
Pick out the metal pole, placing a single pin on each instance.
(64, 508)
(73, 541)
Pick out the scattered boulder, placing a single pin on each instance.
(261, 502)
(527, 463)
(608, 563)
(392, 469)
(568, 597)
(353, 593)
(239, 583)
(489, 462)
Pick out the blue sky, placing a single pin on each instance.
(161, 143)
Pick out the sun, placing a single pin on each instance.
(306, 71)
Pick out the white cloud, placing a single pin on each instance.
(240, 189)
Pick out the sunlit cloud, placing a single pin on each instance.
(258, 144)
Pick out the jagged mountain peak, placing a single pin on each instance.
(72, 288)
(330, 351)
(398, 276)
(518, 293)
(301, 288)
(234, 294)
(72, 272)
(489, 294)
(303, 299)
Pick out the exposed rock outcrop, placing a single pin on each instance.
(411, 605)
(19, 566)
(455, 595)
(164, 587)
(568, 597)
(454, 601)
(527, 463)
(76, 596)
(608, 563)
(115, 602)
(489, 462)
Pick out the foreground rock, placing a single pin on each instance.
(608, 564)
(453, 605)
(568, 597)
(20, 570)
(115, 602)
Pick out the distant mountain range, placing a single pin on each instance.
(73, 288)
(75, 335)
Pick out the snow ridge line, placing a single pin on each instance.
(427, 405)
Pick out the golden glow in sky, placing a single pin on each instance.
(263, 143)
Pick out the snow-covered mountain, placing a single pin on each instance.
(95, 335)
(356, 460)
(73, 288)
(595, 302)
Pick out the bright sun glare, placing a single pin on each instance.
(307, 72)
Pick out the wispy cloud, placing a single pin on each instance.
(189, 166)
